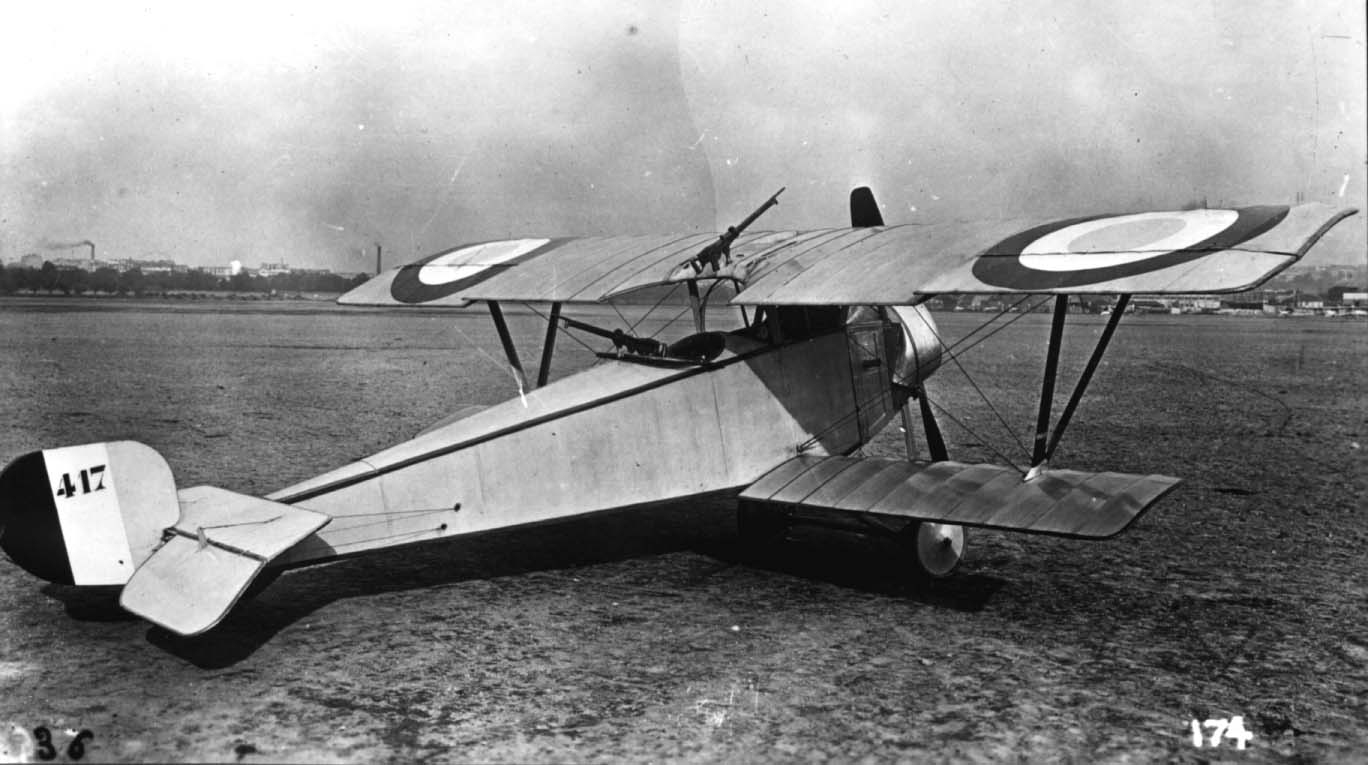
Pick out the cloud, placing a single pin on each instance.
(308, 133)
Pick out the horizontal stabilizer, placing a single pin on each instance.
(1068, 503)
(222, 541)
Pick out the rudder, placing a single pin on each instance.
(88, 514)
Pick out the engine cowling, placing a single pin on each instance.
(922, 350)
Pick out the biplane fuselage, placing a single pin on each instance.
(628, 431)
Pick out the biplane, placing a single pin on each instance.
(834, 341)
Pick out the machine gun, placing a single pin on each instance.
(719, 252)
(640, 346)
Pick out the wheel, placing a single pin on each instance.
(758, 523)
(936, 548)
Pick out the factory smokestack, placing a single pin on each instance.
(378, 267)
(51, 245)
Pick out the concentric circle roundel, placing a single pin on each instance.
(449, 272)
(1084, 251)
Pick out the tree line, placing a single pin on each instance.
(109, 281)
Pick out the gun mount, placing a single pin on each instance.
(718, 253)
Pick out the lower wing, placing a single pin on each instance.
(1067, 503)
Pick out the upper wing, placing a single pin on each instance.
(1191, 251)
(583, 269)
(1188, 251)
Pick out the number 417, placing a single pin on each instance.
(92, 477)
(1233, 729)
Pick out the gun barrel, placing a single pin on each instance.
(771, 202)
(590, 328)
(642, 346)
(720, 250)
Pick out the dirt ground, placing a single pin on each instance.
(653, 636)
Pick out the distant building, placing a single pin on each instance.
(1143, 305)
(156, 266)
(1355, 298)
(273, 269)
(145, 266)
(31, 260)
(1336, 294)
(79, 264)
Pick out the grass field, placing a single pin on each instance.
(652, 636)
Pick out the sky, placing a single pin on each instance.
(310, 132)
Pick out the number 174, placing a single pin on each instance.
(1232, 729)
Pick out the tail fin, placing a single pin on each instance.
(110, 514)
(86, 515)
(864, 211)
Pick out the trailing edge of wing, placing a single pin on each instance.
(1066, 503)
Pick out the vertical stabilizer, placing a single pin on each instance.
(864, 211)
(86, 515)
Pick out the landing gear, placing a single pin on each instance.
(934, 549)
(760, 522)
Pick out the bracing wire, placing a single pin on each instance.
(982, 396)
(632, 327)
(985, 442)
(988, 324)
(1005, 325)
(566, 330)
(671, 322)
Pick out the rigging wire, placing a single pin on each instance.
(982, 441)
(391, 513)
(566, 330)
(1009, 323)
(987, 324)
(983, 396)
(631, 328)
(671, 322)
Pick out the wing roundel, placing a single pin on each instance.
(438, 280)
(1083, 251)
(447, 273)
(1182, 251)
